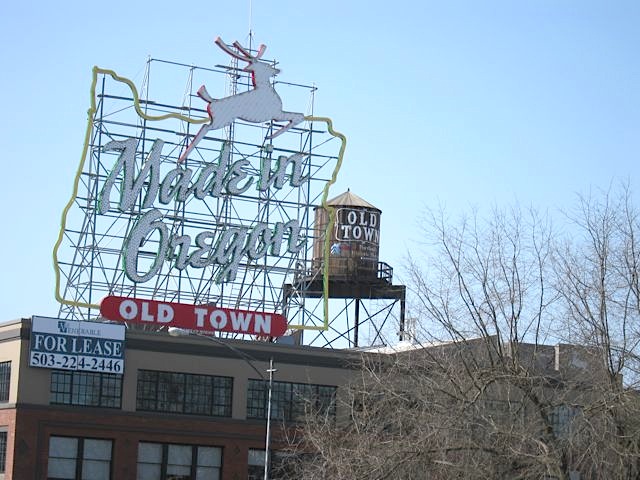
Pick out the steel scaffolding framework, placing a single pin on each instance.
(90, 254)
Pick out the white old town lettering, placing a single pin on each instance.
(359, 225)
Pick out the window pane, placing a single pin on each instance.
(147, 390)
(148, 471)
(63, 447)
(180, 470)
(97, 449)
(209, 456)
(149, 461)
(256, 399)
(222, 393)
(188, 462)
(86, 388)
(3, 451)
(5, 380)
(302, 398)
(256, 473)
(198, 398)
(95, 470)
(170, 392)
(561, 418)
(63, 461)
(179, 455)
(61, 468)
(207, 473)
(326, 400)
(111, 392)
(256, 457)
(290, 401)
(60, 387)
(184, 393)
(150, 452)
(281, 401)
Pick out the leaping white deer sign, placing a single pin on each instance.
(261, 104)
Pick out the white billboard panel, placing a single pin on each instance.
(73, 345)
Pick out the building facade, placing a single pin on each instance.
(185, 407)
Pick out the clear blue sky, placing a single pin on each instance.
(464, 103)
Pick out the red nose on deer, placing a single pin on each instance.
(259, 105)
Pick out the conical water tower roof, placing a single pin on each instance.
(349, 199)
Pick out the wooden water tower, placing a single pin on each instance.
(355, 273)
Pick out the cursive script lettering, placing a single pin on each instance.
(223, 247)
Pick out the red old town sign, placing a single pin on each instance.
(192, 317)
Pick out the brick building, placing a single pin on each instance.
(185, 407)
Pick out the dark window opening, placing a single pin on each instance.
(163, 461)
(86, 389)
(5, 381)
(184, 393)
(290, 401)
(72, 458)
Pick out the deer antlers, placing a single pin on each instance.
(244, 54)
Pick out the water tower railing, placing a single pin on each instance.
(385, 272)
(313, 270)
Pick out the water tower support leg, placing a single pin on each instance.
(357, 323)
(402, 309)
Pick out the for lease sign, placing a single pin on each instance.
(73, 345)
(205, 318)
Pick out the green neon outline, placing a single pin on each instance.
(136, 103)
(332, 216)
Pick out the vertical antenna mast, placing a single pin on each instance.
(250, 25)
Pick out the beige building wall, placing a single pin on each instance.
(10, 352)
(184, 354)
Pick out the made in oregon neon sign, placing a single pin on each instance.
(226, 248)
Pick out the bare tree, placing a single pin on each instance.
(597, 274)
(524, 366)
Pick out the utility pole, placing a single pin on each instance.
(271, 371)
